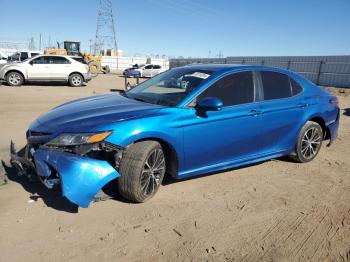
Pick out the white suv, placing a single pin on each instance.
(46, 68)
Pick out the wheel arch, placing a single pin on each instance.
(171, 156)
(17, 71)
(319, 120)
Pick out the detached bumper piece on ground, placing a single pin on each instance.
(80, 177)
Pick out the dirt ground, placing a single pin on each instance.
(272, 211)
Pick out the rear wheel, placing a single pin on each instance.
(76, 80)
(309, 142)
(14, 79)
(142, 170)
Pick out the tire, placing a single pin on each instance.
(142, 170)
(94, 67)
(14, 78)
(76, 80)
(309, 142)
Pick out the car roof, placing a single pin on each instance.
(221, 68)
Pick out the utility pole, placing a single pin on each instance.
(90, 40)
(105, 29)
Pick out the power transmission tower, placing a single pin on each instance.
(31, 45)
(105, 30)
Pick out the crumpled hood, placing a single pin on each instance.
(82, 115)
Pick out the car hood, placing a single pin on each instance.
(84, 115)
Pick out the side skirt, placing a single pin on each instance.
(231, 164)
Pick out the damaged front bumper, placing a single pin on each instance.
(81, 177)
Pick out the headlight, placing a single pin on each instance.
(78, 139)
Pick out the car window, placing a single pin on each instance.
(148, 67)
(296, 88)
(40, 60)
(275, 85)
(34, 54)
(24, 56)
(156, 66)
(234, 89)
(58, 60)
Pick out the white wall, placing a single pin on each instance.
(126, 62)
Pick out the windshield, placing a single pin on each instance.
(170, 87)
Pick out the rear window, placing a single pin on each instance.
(156, 66)
(275, 85)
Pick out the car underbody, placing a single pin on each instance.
(80, 171)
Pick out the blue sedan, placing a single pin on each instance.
(185, 122)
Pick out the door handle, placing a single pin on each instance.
(302, 105)
(254, 112)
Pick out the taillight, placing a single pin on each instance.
(334, 101)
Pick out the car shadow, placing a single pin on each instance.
(46, 83)
(51, 197)
(168, 180)
(346, 112)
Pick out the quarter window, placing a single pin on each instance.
(234, 89)
(296, 88)
(276, 85)
(156, 66)
(148, 67)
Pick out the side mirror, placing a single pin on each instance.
(210, 104)
(31, 63)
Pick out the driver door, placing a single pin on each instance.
(38, 68)
(217, 138)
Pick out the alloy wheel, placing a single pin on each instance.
(152, 172)
(311, 142)
(76, 80)
(14, 79)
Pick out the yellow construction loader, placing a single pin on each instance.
(72, 48)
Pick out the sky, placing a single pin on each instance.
(189, 28)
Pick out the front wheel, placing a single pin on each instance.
(309, 142)
(14, 79)
(142, 170)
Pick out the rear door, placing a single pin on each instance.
(60, 67)
(283, 108)
(156, 70)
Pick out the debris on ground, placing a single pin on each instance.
(177, 232)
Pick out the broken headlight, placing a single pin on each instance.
(74, 139)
